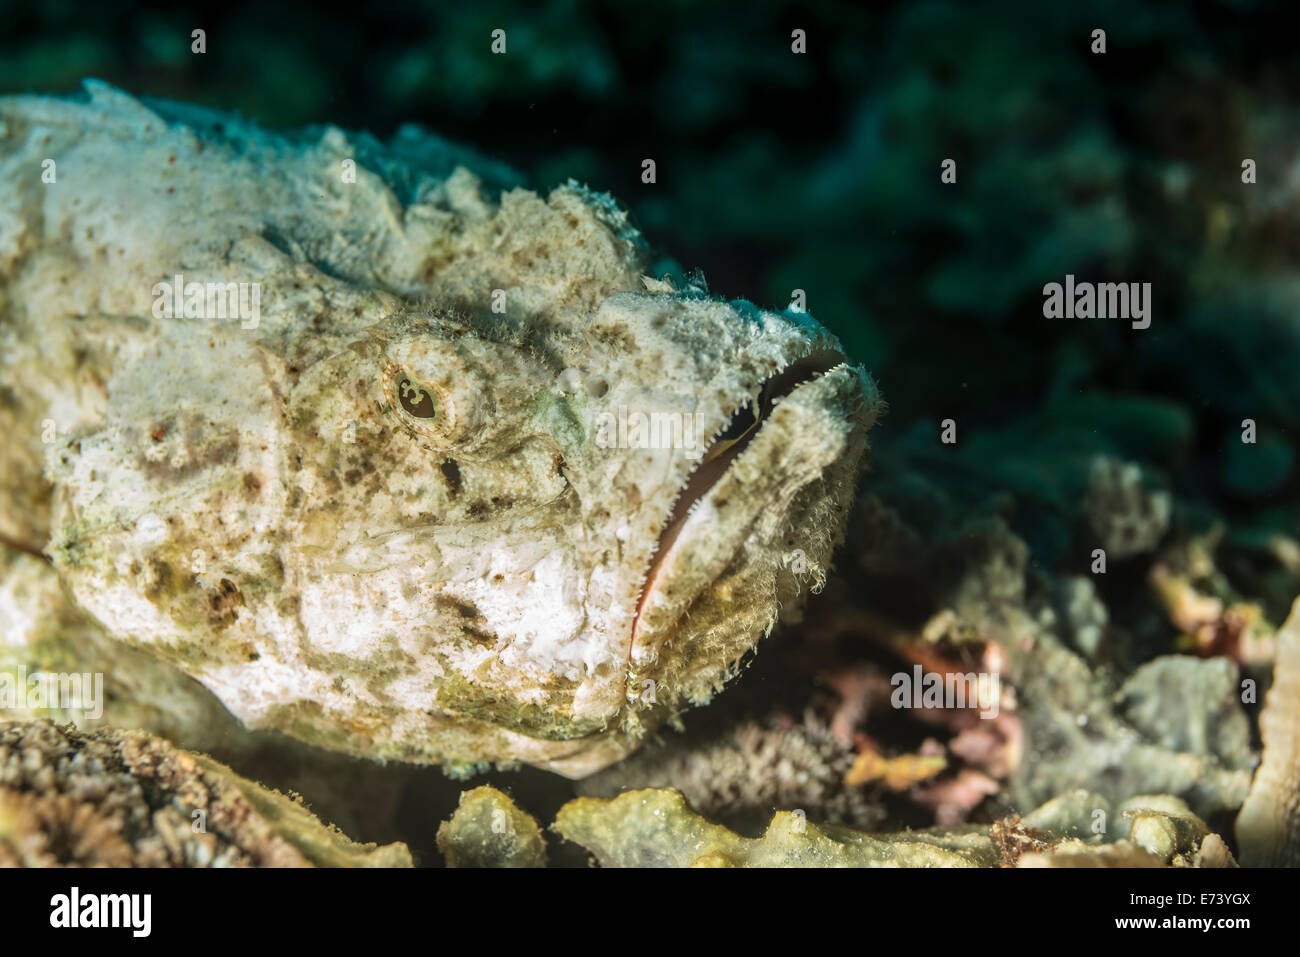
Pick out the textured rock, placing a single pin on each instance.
(124, 798)
(488, 830)
(1126, 518)
(1075, 732)
(656, 828)
(740, 773)
(1075, 853)
(1190, 705)
(1149, 831)
(1075, 738)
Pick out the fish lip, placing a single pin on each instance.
(789, 378)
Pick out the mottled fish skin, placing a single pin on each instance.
(1268, 825)
(379, 515)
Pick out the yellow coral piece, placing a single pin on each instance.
(898, 773)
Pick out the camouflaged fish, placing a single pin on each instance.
(388, 458)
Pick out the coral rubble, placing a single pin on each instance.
(124, 798)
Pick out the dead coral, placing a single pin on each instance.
(1190, 705)
(861, 689)
(50, 830)
(1127, 518)
(1068, 725)
(118, 798)
(657, 828)
(1078, 739)
(1084, 618)
(750, 767)
(950, 777)
(1203, 607)
(1014, 839)
(897, 773)
(953, 800)
(1075, 853)
(489, 830)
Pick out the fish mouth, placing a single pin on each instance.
(742, 430)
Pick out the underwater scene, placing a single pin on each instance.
(574, 435)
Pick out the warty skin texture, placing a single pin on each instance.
(1268, 826)
(272, 509)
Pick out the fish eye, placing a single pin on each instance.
(416, 400)
(435, 390)
(423, 408)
